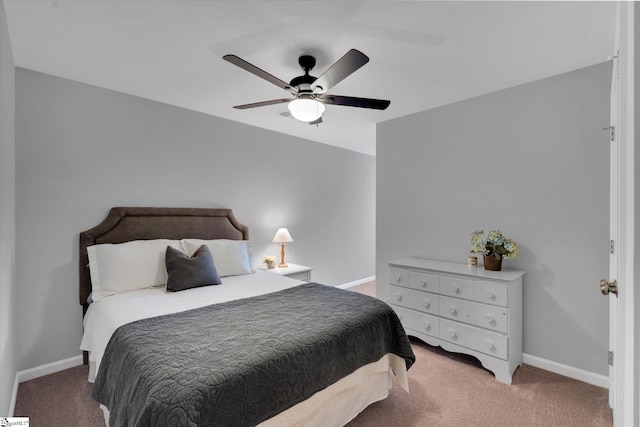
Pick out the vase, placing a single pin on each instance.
(492, 263)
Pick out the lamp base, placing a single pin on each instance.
(282, 264)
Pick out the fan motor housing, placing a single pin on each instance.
(300, 80)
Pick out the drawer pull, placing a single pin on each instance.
(456, 289)
(424, 284)
(453, 334)
(453, 310)
(398, 297)
(491, 295)
(490, 345)
(427, 326)
(490, 319)
(427, 303)
(398, 278)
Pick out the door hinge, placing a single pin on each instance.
(612, 133)
(611, 358)
(612, 247)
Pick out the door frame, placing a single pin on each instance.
(623, 318)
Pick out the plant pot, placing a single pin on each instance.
(492, 263)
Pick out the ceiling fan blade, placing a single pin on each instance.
(340, 70)
(351, 101)
(262, 104)
(235, 60)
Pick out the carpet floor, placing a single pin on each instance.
(446, 389)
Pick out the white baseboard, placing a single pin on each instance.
(14, 397)
(41, 371)
(357, 282)
(49, 368)
(566, 370)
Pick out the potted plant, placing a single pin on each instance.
(493, 247)
(270, 261)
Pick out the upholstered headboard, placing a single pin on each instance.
(125, 224)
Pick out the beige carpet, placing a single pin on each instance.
(454, 390)
(446, 390)
(60, 399)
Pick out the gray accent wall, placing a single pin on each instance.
(532, 161)
(82, 150)
(8, 309)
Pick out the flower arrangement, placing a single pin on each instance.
(270, 261)
(493, 244)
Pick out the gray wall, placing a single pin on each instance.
(530, 160)
(7, 218)
(82, 150)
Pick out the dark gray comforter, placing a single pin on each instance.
(242, 362)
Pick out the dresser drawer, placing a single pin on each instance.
(424, 281)
(491, 293)
(398, 276)
(483, 315)
(487, 342)
(419, 322)
(421, 301)
(459, 288)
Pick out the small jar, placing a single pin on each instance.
(473, 261)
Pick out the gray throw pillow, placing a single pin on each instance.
(186, 273)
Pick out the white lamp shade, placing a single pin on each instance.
(282, 236)
(306, 110)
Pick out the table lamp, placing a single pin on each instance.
(282, 236)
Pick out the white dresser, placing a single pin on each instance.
(462, 309)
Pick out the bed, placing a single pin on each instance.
(254, 349)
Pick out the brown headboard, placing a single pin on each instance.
(126, 224)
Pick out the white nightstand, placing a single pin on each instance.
(294, 271)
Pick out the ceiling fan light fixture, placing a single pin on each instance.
(306, 110)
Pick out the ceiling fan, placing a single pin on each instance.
(309, 92)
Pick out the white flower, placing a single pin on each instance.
(493, 244)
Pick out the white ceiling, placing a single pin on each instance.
(422, 54)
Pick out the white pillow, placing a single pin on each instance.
(122, 267)
(231, 257)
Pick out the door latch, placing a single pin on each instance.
(609, 287)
